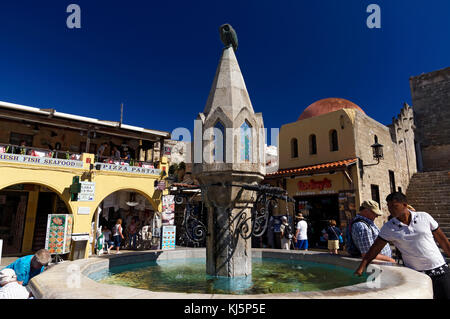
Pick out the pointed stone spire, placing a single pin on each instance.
(228, 90)
(228, 250)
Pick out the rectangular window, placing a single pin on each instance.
(92, 148)
(392, 181)
(375, 194)
(16, 138)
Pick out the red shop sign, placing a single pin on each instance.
(312, 184)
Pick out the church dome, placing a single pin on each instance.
(326, 106)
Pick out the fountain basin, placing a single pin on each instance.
(269, 276)
(71, 279)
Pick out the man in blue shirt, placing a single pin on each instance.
(364, 231)
(29, 266)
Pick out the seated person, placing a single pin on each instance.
(126, 156)
(10, 288)
(21, 149)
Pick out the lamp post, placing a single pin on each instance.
(377, 149)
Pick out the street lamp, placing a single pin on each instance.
(377, 151)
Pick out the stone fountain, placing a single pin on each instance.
(232, 155)
(228, 170)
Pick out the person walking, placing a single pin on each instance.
(333, 237)
(29, 266)
(415, 234)
(301, 236)
(117, 235)
(286, 233)
(107, 238)
(362, 232)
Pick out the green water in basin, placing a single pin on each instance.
(269, 276)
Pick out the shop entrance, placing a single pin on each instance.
(140, 222)
(318, 210)
(13, 207)
(24, 210)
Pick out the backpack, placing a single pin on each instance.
(287, 231)
(352, 249)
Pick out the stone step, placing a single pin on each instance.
(430, 192)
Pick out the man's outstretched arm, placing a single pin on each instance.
(373, 252)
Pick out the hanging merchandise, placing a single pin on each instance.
(146, 233)
(140, 199)
(168, 210)
(161, 185)
(111, 201)
(156, 225)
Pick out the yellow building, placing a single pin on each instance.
(327, 163)
(42, 150)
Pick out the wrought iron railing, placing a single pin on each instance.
(125, 161)
(260, 213)
(39, 152)
(43, 152)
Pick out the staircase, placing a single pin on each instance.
(430, 192)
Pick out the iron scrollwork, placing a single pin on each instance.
(194, 228)
(260, 210)
(260, 213)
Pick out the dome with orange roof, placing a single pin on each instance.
(326, 106)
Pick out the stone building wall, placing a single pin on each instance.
(398, 147)
(431, 102)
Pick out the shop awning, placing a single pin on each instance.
(318, 168)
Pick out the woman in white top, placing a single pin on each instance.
(117, 235)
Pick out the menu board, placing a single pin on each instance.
(168, 237)
(59, 233)
(168, 210)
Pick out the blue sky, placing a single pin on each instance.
(159, 57)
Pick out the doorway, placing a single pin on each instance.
(24, 210)
(13, 206)
(318, 210)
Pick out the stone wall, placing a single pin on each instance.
(431, 102)
(399, 156)
(429, 192)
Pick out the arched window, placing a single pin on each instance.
(333, 141)
(246, 142)
(218, 151)
(294, 148)
(312, 144)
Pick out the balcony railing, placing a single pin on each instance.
(40, 156)
(38, 152)
(124, 161)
